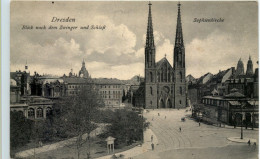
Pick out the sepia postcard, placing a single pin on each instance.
(134, 80)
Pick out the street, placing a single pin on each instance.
(189, 140)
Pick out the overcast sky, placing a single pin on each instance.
(118, 50)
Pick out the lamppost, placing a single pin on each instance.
(241, 122)
(253, 116)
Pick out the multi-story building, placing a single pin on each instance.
(110, 90)
(32, 107)
(231, 109)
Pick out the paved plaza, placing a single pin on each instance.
(194, 141)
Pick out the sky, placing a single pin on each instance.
(118, 50)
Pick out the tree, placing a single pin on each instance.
(20, 130)
(78, 115)
(126, 126)
(123, 97)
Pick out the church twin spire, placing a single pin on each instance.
(179, 35)
(149, 34)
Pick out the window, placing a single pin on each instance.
(39, 113)
(180, 101)
(151, 90)
(151, 76)
(31, 113)
(180, 76)
(180, 90)
(48, 111)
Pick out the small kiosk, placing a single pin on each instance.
(110, 144)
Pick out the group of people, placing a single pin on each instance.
(249, 144)
(152, 145)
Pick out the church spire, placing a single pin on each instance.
(149, 34)
(179, 35)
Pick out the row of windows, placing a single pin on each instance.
(180, 91)
(114, 92)
(39, 112)
(162, 77)
(214, 102)
(112, 86)
(110, 102)
(73, 92)
(111, 97)
(76, 86)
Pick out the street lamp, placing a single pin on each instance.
(241, 123)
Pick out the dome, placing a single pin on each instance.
(13, 82)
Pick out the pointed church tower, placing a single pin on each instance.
(150, 68)
(179, 65)
(249, 69)
(240, 68)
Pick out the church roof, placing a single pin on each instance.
(163, 60)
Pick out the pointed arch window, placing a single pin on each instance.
(39, 112)
(151, 76)
(31, 113)
(180, 76)
(180, 90)
(169, 76)
(158, 77)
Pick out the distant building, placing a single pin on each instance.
(231, 109)
(208, 83)
(190, 80)
(110, 90)
(74, 84)
(240, 68)
(249, 68)
(83, 71)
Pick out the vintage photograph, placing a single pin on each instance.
(134, 80)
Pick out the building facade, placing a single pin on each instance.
(110, 90)
(232, 109)
(165, 84)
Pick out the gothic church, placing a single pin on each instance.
(165, 85)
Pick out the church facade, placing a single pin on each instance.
(165, 84)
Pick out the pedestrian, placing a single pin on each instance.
(254, 145)
(152, 119)
(249, 143)
(165, 117)
(158, 114)
(152, 146)
(152, 138)
(199, 123)
(180, 129)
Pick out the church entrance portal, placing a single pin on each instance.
(162, 104)
(169, 104)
